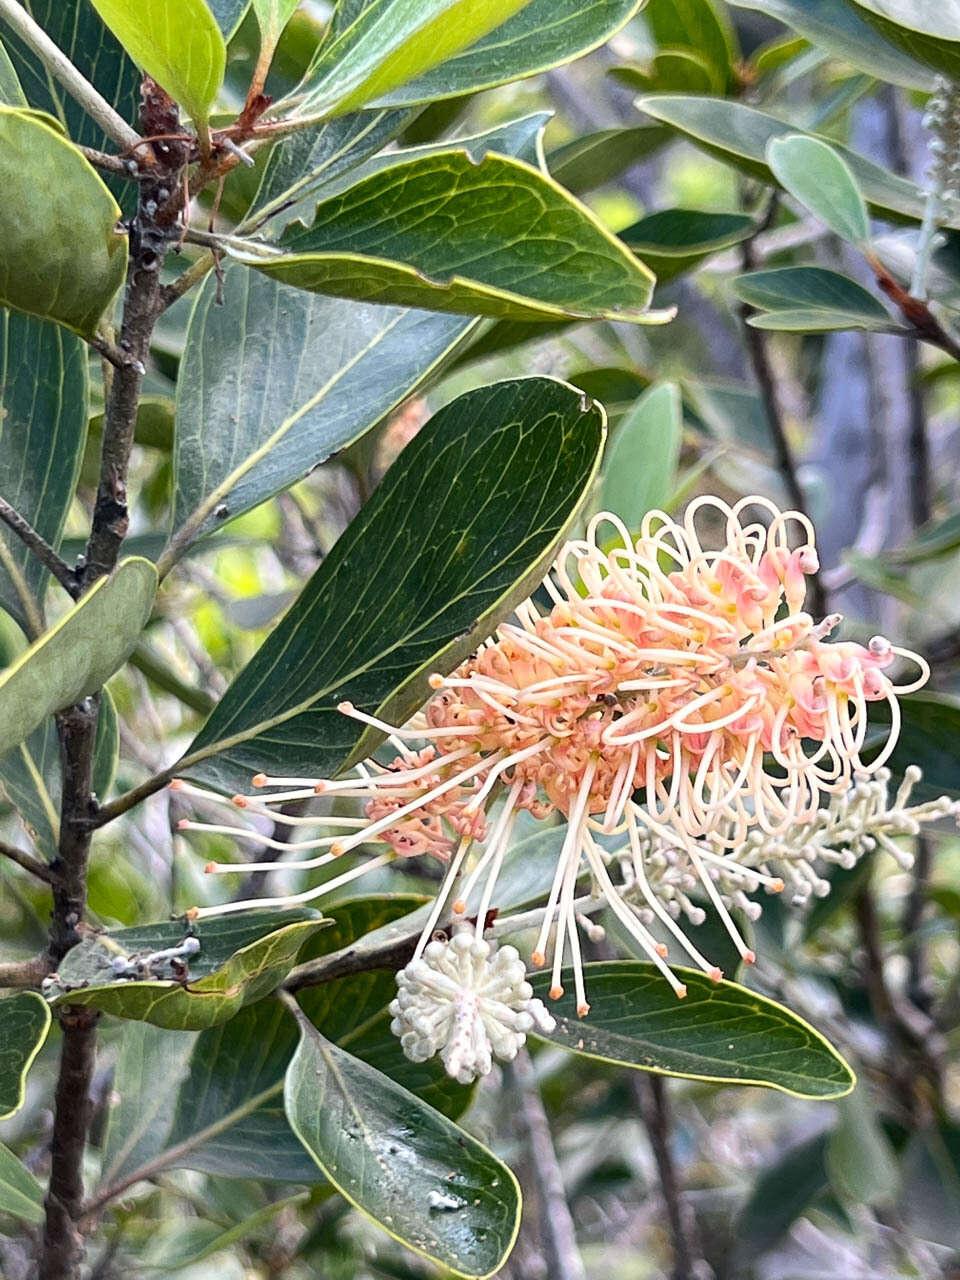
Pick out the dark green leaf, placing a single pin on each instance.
(177, 42)
(671, 71)
(495, 478)
(75, 657)
(43, 429)
(429, 1184)
(20, 1193)
(264, 395)
(418, 232)
(61, 258)
(740, 135)
(779, 1197)
(24, 1023)
(929, 737)
(30, 776)
(76, 28)
(242, 958)
(641, 463)
(612, 385)
(810, 299)
(937, 538)
(928, 30)
(815, 174)
(671, 241)
(594, 159)
(380, 45)
(720, 1032)
(837, 27)
(544, 34)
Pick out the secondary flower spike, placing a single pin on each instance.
(674, 705)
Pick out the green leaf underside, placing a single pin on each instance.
(836, 26)
(30, 775)
(242, 959)
(24, 1022)
(816, 175)
(177, 42)
(419, 234)
(495, 478)
(61, 258)
(544, 34)
(224, 1099)
(805, 320)
(928, 30)
(640, 467)
(389, 1153)
(78, 655)
(740, 135)
(20, 1193)
(814, 288)
(43, 430)
(75, 27)
(277, 379)
(720, 1032)
(375, 46)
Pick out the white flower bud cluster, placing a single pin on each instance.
(942, 118)
(467, 1001)
(854, 823)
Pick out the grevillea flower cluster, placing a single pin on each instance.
(696, 730)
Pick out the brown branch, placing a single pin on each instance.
(42, 549)
(25, 860)
(150, 233)
(62, 1241)
(123, 804)
(121, 166)
(25, 975)
(650, 1092)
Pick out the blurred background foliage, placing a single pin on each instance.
(661, 1178)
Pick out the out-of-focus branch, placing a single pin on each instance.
(557, 1234)
(25, 860)
(650, 1092)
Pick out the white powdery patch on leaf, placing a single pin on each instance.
(467, 1001)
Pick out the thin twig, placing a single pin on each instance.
(766, 383)
(158, 673)
(25, 975)
(40, 548)
(120, 166)
(25, 860)
(557, 1233)
(60, 66)
(650, 1092)
(130, 799)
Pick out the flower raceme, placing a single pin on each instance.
(674, 700)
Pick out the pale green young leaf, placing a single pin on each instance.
(177, 42)
(640, 468)
(11, 94)
(386, 43)
(79, 654)
(62, 258)
(816, 175)
(272, 17)
(429, 1184)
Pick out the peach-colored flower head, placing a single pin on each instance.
(674, 698)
